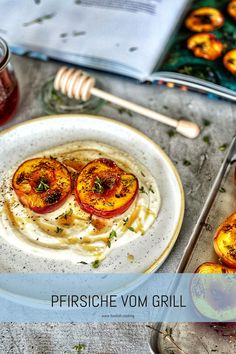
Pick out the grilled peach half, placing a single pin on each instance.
(231, 8)
(205, 45)
(225, 241)
(104, 189)
(204, 19)
(42, 184)
(229, 61)
(214, 268)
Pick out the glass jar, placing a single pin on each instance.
(9, 90)
(55, 102)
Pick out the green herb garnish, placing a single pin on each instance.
(59, 230)
(122, 110)
(143, 174)
(142, 190)
(133, 49)
(78, 33)
(112, 234)
(42, 185)
(171, 133)
(96, 264)
(223, 147)
(39, 19)
(66, 214)
(128, 182)
(98, 187)
(151, 190)
(206, 122)
(206, 139)
(79, 347)
(55, 97)
(131, 229)
(186, 163)
(125, 221)
(222, 190)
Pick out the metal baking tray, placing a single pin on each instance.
(203, 338)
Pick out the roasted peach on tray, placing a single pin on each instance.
(204, 19)
(213, 268)
(205, 45)
(225, 241)
(104, 189)
(230, 61)
(232, 9)
(42, 184)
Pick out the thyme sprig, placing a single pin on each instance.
(98, 187)
(42, 185)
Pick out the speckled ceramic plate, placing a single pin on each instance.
(149, 251)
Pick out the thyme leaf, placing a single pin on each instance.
(122, 110)
(186, 163)
(223, 147)
(96, 264)
(125, 221)
(206, 140)
(171, 133)
(80, 347)
(98, 187)
(59, 230)
(78, 33)
(142, 190)
(112, 234)
(63, 35)
(42, 185)
(39, 20)
(151, 189)
(206, 122)
(68, 213)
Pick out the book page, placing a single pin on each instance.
(118, 35)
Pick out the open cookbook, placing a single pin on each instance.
(135, 38)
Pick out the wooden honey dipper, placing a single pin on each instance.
(79, 85)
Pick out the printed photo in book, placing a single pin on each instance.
(190, 43)
(205, 47)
